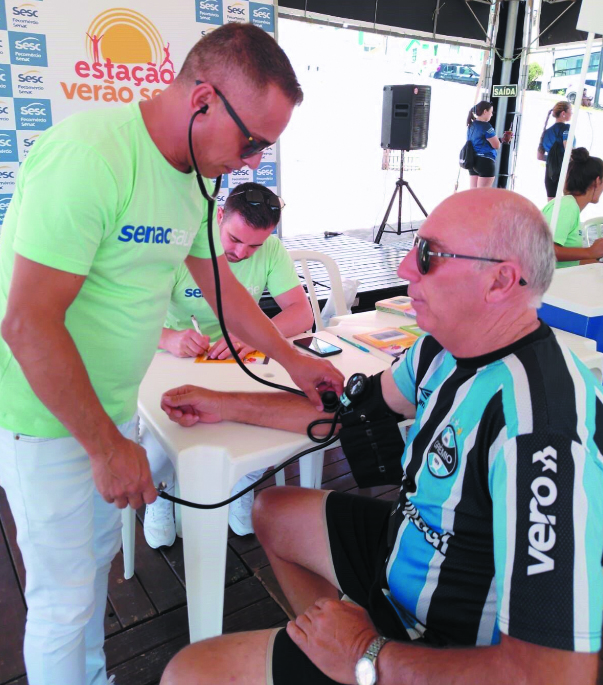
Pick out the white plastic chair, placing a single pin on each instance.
(311, 465)
(592, 229)
(305, 256)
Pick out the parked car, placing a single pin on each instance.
(589, 92)
(461, 73)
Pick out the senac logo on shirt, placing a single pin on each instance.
(155, 234)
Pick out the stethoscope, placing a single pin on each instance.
(330, 400)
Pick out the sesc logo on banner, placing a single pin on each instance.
(8, 174)
(33, 114)
(28, 48)
(7, 115)
(237, 12)
(24, 16)
(238, 176)
(4, 202)
(209, 11)
(6, 81)
(25, 141)
(265, 174)
(8, 147)
(262, 15)
(29, 82)
(221, 198)
(269, 153)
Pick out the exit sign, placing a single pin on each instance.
(509, 91)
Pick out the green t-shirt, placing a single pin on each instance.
(95, 197)
(269, 267)
(568, 232)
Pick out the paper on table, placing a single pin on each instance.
(251, 358)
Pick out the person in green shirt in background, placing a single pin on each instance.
(105, 209)
(259, 260)
(583, 186)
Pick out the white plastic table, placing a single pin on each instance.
(584, 348)
(210, 459)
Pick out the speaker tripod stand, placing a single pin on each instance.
(400, 185)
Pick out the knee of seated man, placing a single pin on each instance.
(193, 665)
(270, 508)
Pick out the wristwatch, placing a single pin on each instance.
(366, 666)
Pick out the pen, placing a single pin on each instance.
(196, 324)
(349, 342)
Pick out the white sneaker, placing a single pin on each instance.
(239, 513)
(159, 524)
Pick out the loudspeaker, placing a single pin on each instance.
(405, 122)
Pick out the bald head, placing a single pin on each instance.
(501, 224)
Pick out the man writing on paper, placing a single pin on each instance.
(105, 209)
(259, 260)
(496, 538)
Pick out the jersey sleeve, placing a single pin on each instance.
(548, 541)
(69, 198)
(281, 276)
(490, 133)
(200, 246)
(404, 371)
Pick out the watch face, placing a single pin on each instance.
(365, 672)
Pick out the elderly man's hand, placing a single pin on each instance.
(189, 404)
(333, 635)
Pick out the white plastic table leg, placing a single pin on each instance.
(128, 538)
(205, 535)
(310, 469)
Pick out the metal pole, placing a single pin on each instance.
(570, 136)
(599, 77)
(505, 74)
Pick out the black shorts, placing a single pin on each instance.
(483, 167)
(357, 529)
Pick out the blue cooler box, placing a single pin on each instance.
(574, 302)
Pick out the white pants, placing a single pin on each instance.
(68, 536)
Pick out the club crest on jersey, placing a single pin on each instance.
(442, 455)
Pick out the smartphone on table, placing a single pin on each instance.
(317, 346)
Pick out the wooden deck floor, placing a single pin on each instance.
(146, 621)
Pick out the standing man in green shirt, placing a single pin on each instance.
(259, 260)
(104, 211)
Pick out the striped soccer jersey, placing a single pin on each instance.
(499, 524)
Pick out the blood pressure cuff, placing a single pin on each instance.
(370, 438)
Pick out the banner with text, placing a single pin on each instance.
(58, 57)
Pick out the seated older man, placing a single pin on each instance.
(496, 538)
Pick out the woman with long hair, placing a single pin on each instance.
(562, 113)
(583, 186)
(485, 144)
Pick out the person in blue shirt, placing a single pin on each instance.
(562, 113)
(485, 144)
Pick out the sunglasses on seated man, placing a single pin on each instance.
(424, 255)
(254, 145)
(253, 196)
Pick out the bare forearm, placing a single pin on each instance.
(271, 409)
(293, 320)
(58, 377)
(415, 665)
(245, 319)
(571, 254)
(165, 336)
